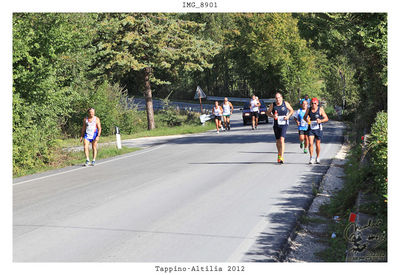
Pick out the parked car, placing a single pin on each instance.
(246, 115)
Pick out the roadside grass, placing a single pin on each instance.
(336, 250)
(160, 131)
(63, 159)
(60, 158)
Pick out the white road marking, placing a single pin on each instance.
(97, 164)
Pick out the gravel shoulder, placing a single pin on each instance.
(309, 237)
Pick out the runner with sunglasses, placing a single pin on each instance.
(315, 116)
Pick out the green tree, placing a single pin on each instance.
(154, 45)
(356, 46)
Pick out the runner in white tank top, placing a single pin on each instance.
(217, 111)
(254, 108)
(227, 112)
(91, 131)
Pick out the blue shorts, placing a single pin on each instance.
(280, 131)
(94, 136)
(317, 133)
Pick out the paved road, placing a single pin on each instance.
(199, 198)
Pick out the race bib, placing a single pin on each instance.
(281, 120)
(314, 125)
(303, 123)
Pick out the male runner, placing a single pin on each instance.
(302, 125)
(227, 112)
(217, 111)
(254, 107)
(281, 111)
(316, 116)
(91, 131)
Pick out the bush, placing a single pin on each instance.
(34, 131)
(377, 145)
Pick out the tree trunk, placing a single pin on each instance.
(149, 100)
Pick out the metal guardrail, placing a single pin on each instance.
(238, 99)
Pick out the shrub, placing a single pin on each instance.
(377, 145)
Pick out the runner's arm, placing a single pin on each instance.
(269, 111)
(324, 115)
(295, 118)
(230, 104)
(98, 124)
(290, 111)
(306, 117)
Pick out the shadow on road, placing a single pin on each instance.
(332, 134)
(292, 204)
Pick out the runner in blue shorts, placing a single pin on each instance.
(302, 125)
(316, 116)
(281, 112)
(91, 131)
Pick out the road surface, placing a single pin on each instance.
(200, 198)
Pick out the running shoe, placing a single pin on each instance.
(93, 162)
(301, 145)
(311, 161)
(87, 163)
(217, 131)
(280, 159)
(317, 161)
(305, 151)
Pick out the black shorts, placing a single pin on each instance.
(280, 131)
(217, 117)
(317, 133)
(256, 114)
(303, 132)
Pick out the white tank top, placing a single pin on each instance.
(91, 127)
(217, 111)
(227, 109)
(253, 105)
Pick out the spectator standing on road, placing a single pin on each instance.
(302, 125)
(254, 108)
(281, 111)
(91, 131)
(316, 116)
(217, 111)
(227, 112)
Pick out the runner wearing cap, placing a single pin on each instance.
(302, 125)
(281, 111)
(316, 116)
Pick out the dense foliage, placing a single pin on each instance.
(378, 149)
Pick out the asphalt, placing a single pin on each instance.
(198, 198)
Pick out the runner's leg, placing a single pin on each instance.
(86, 148)
(317, 147)
(282, 142)
(94, 148)
(311, 140)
